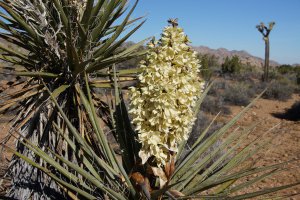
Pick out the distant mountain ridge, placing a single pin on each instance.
(244, 56)
(220, 54)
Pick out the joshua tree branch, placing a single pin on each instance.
(265, 31)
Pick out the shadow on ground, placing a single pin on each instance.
(291, 114)
(6, 198)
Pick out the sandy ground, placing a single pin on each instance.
(5, 156)
(286, 145)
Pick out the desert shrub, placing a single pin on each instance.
(216, 87)
(279, 90)
(248, 72)
(232, 65)
(214, 105)
(297, 72)
(273, 75)
(284, 69)
(292, 77)
(288, 69)
(298, 79)
(221, 84)
(243, 76)
(258, 87)
(238, 94)
(287, 72)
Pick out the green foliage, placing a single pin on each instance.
(208, 63)
(285, 69)
(231, 65)
(288, 69)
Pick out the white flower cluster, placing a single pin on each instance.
(162, 105)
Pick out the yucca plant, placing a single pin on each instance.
(61, 46)
(61, 118)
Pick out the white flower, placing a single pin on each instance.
(162, 106)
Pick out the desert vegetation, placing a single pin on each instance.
(96, 117)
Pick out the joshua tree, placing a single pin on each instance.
(265, 31)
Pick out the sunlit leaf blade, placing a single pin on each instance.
(246, 184)
(99, 131)
(81, 141)
(116, 34)
(191, 158)
(72, 145)
(109, 6)
(210, 158)
(111, 156)
(121, 41)
(103, 64)
(212, 182)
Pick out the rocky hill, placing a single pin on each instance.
(244, 56)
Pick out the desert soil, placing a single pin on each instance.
(285, 146)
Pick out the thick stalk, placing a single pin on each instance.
(267, 58)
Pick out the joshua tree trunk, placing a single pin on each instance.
(265, 31)
(27, 181)
(267, 58)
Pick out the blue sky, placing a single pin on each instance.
(229, 24)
